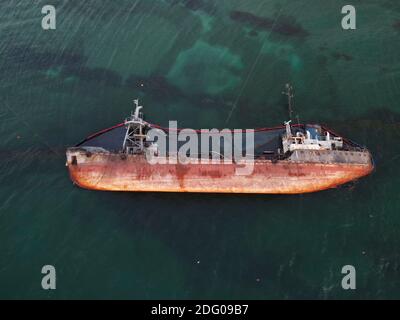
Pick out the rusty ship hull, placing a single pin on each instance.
(302, 172)
(290, 159)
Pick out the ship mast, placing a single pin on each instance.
(290, 95)
(135, 137)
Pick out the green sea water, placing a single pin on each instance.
(205, 64)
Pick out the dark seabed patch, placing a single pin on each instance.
(253, 33)
(196, 5)
(163, 90)
(100, 76)
(157, 85)
(396, 25)
(30, 57)
(283, 25)
(68, 63)
(342, 56)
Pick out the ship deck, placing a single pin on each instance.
(266, 142)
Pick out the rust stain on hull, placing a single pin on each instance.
(133, 173)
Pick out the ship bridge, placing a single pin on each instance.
(312, 138)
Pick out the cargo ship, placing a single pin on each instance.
(288, 159)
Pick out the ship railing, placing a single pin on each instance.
(350, 144)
